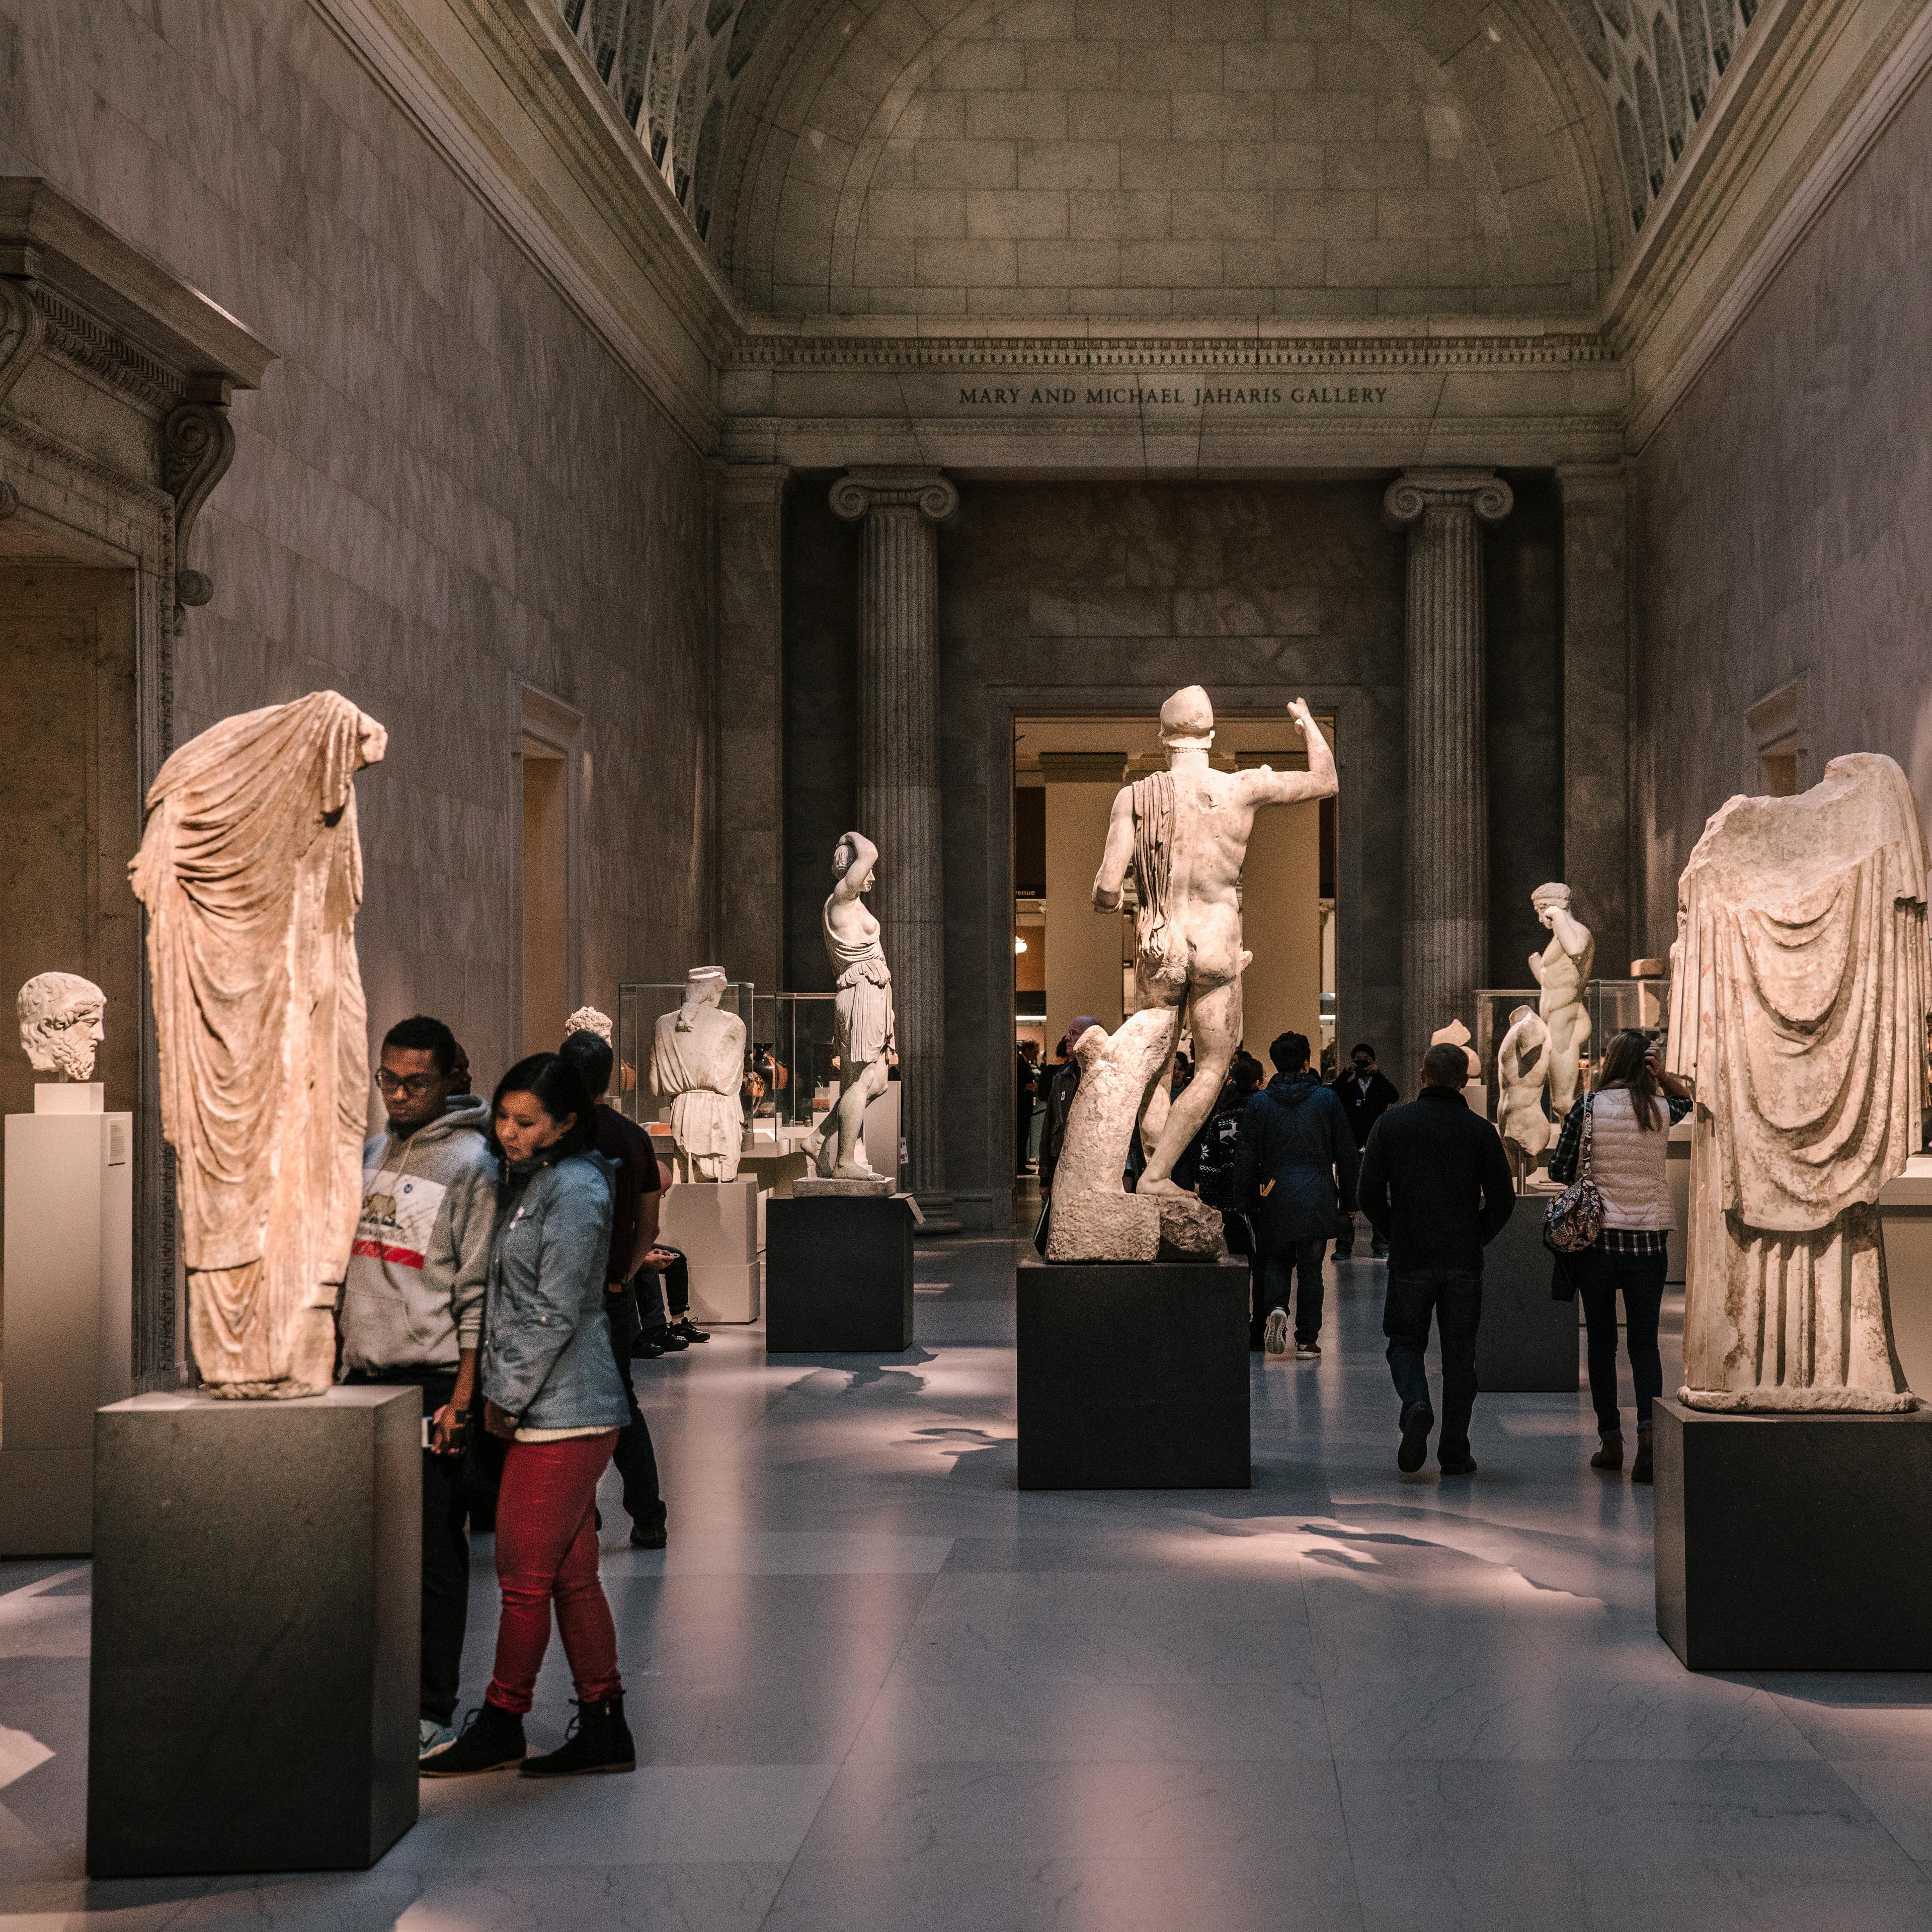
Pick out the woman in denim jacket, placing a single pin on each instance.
(551, 1390)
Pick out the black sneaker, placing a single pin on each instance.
(689, 1329)
(648, 1539)
(1417, 1420)
(598, 1739)
(647, 1348)
(671, 1341)
(1460, 1465)
(493, 1740)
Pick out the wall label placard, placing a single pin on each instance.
(1187, 395)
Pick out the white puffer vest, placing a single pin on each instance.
(1627, 1163)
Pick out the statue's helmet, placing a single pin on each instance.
(1187, 721)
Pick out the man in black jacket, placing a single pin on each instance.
(1435, 1185)
(1293, 1174)
(1367, 1093)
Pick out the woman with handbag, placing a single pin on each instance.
(553, 1397)
(1615, 1139)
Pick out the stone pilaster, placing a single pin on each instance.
(899, 512)
(1596, 707)
(1446, 928)
(749, 504)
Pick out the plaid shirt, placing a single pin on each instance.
(1563, 1167)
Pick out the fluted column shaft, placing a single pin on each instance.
(899, 513)
(1446, 927)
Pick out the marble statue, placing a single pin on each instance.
(1522, 1067)
(588, 1019)
(60, 1024)
(1799, 993)
(251, 873)
(1456, 1034)
(1562, 969)
(862, 1028)
(698, 1064)
(1184, 832)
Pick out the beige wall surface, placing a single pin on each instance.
(1777, 536)
(444, 484)
(1281, 925)
(1083, 947)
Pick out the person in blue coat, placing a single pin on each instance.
(1295, 1172)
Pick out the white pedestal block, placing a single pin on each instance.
(714, 1224)
(68, 1316)
(1905, 1229)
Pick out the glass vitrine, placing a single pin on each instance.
(641, 1003)
(791, 1071)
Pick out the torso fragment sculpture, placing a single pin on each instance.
(1799, 994)
(698, 1064)
(1456, 1034)
(1562, 969)
(1522, 1064)
(863, 1028)
(62, 1018)
(1184, 832)
(251, 873)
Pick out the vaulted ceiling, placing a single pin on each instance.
(1026, 158)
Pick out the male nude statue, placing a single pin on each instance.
(1562, 969)
(1185, 833)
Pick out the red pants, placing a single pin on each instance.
(546, 1549)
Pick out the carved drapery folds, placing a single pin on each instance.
(899, 512)
(1445, 932)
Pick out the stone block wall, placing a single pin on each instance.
(446, 485)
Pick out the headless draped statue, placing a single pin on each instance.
(697, 1063)
(862, 1033)
(1799, 994)
(251, 873)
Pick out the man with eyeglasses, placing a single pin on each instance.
(412, 1309)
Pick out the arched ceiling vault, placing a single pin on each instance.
(1025, 158)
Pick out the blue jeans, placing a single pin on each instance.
(1454, 1296)
(1278, 1270)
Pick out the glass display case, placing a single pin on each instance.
(791, 1073)
(640, 1004)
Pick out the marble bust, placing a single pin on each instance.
(698, 1064)
(1562, 969)
(1799, 993)
(251, 869)
(588, 1019)
(60, 1024)
(862, 1025)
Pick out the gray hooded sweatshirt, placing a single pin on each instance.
(413, 1295)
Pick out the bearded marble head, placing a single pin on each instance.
(62, 1018)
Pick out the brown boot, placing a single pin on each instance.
(1640, 1468)
(1609, 1453)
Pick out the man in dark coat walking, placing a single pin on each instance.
(1367, 1093)
(1294, 1163)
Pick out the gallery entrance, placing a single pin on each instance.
(1069, 960)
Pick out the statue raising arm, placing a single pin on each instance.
(1265, 787)
(857, 875)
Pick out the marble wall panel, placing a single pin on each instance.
(445, 486)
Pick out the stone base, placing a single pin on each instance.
(1528, 1341)
(714, 1224)
(1794, 1542)
(1190, 1231)
(838, 1275)
(1103, 1227)
(1133, 1378)
(878, 1187)
(257, 1580)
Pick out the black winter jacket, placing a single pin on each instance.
(1293, 1144)
(1364, 1110)
(1436, 1183)
(1066, 1083)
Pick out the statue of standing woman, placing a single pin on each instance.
(862, 1035)
(1562, 969)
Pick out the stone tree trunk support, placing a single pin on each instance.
(1446, 929)
(899, 512)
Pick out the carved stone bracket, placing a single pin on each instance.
(21, 330)
(197, 445)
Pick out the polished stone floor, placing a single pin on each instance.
(876, 1690)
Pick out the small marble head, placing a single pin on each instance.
(1187, 721)
(588, 1019)
(60, 1024)
(1554, 894)
(845, 858)
(704, 986)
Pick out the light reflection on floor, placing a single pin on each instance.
(876, 1689)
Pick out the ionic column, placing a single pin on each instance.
(899, 512)
(1446, 928)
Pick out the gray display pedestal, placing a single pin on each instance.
(1133, 1375)
(1527, 1342)
(257, 1586)
(1794, 1542)
(68, 1311)
(839, 1274)
(1905, 1228)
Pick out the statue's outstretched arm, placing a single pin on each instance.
(1108, 881)
(1272, 788)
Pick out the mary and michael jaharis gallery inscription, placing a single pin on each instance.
(1183, 395)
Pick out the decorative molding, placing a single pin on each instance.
(859, 491)
(1415, 492)
(90, 345)
(197, 446)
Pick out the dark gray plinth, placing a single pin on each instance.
(838, 1275)
(1527, 1343)
(1133, 1375)
(257, 1584)
(1794, 1542)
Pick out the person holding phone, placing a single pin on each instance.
(552, 1394)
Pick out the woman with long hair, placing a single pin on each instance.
(1629, 1117)
(551, 1392)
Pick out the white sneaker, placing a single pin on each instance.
(1308, 1351)
(1274, 1332)
(432, 1737)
